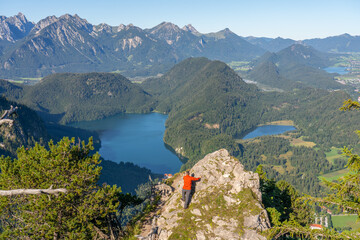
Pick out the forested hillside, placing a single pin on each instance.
(25, 129)
(71, 97)
(296, 66)
(210, 107)
(208, 104)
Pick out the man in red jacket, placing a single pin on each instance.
(186, 190)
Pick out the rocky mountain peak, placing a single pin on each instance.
(190, 28)
(44, 23)
(79, 22)
(121, 27)
(14, 28)
(166, 26)
(103, 27)
(21, 17)
(301, 49)
(227, 31)
(226, 203)
(167, 31)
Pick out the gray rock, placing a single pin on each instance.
(226, 203)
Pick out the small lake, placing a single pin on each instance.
(136, 138)
(269, 130)
(339, 70)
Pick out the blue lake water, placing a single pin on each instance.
(339, 70)
(136, 138)
(269, 130)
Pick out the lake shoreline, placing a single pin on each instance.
(135, 138)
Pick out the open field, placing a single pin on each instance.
(334, 175)
(32, 79)
(334, 154)
(345, 221)
(241, 66)
(297, 142)
(280, 122)
(331, 156)
(279, 169)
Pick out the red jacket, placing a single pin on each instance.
(187, 182)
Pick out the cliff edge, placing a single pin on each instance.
(226, 203)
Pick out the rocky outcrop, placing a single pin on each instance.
(226, 203)
(191, 29)
(14, 28)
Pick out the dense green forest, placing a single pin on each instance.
(71, 97)
(208, 103)
(316, 115)
(125, 174)
(298, 165)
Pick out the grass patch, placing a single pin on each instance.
(280, 122)
(334, 175)
(279, 169)
(297, 142)
(289, 167)
(287, 155)
(346, 221)
(334, 154)
(31, 79)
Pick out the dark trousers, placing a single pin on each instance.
(186, 197)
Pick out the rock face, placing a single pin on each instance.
(226, 203)
(14, 28)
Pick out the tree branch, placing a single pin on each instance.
(32, 191)
(101, 234)
(7, 113)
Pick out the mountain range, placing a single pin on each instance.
(71, 44)
(296, 66)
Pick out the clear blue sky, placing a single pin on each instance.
(296, 19)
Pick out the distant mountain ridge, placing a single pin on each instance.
(71, 44)
(337, 44)
(343, 43)
(296, 66)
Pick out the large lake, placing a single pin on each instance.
(339, 70)
(269, 130)
(136, 138)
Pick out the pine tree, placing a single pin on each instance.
(84, 212)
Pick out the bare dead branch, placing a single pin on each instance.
(9, 112)
(32, 191)
(101, 234)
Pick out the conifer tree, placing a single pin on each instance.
(84, 212)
